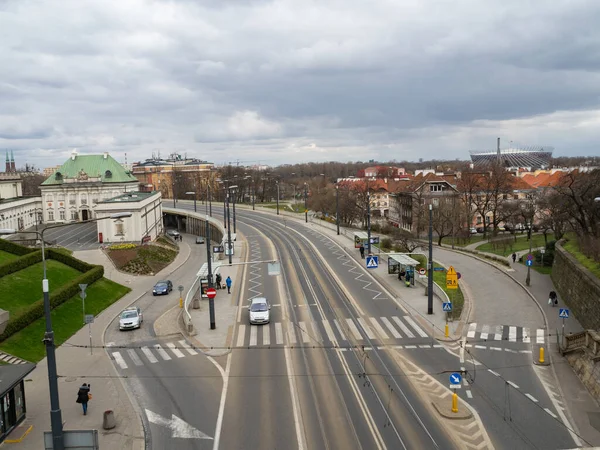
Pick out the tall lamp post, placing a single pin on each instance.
(194, 194)
(229, 243)
(211, 301)
(337, 208)
(368, 221)
(305, 206)
(277, 184)
(55, 412)
(430, 263)
(234, 192)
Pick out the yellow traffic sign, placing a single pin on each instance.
(451, 278)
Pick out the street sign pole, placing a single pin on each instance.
(83, 295)
(430, 263)
(211, 302)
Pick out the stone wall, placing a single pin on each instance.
(578, 288)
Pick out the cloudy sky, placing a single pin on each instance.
(275, 82)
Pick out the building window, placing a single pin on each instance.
(74, 215)
(478, 220)
(84, 199)
(119, 229)
(95, 200)
(61, 214)
(436, 187)
(51, 215)
(61, 197)
(435, 201)
(72, 200)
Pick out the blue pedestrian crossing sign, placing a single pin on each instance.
(447, 307)
(455, 378)
(563, 313)
(372, 262)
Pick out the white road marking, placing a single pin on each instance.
(266, 332)
(241, 335)
(278, 333)
(390, 327)
(253, 335)
(416, 327)
(148, 353)
(540, 336)
(498, 334)
(340, 331)
(512, 334)
(551, 413)
(469, 393)
(499, 349)
(119, 360)
(291, 333)
(410, 346)
(512, 384)
(188, 348)
(316, 332)
(134, 356)
(366, 328)
(354, 329)
(472, 329)
(304, 332)
(424, 346)
(162, 352)
(403, 327)
(379, 328)
(485, 331)
(175, 350)
(525, 351)
(526, 336)
(225, 376)
(531, 397)
(481, 347)
(328, 330)
(493, 373)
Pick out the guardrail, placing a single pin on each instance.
(187, 317)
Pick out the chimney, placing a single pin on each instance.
(105, 155)
(73, 154)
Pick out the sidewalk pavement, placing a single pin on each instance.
(75, 366)
(218, 342)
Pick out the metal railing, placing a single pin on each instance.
(191, 293)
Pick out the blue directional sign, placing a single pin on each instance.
(372, 262)
(447, 307)
(563, 313)
(455, 378)
(529, 262)
(438, 269)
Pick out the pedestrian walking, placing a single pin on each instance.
(407, 279)
(228, 282)
(362, 251)
(218, 280)
(84, 396)
(552, 299)
(514, 257)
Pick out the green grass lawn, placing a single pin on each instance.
(66, 320)
(519, 245)
(572, 246)
(5, 256)
(462, 242)
(20, 289)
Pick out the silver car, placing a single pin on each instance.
(259, 311)
(131, 318)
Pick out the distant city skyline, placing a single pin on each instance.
(296, 82)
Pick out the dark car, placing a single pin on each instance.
(162, 288)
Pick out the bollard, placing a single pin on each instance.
(109, 420)
(180, 302)
(455, 402)
(446, 330)
(542, 355)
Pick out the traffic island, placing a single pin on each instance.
(540, 355)
(444, 409)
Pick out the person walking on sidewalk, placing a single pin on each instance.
(228, 283)
(83, 396)
(218, 280)
(553, 299)
(514, 257)
(362, 251)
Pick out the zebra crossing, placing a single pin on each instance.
(508, 333)
(328, 331)
(152, 354)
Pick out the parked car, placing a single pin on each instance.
(162, 287)
(473, 230)
(259, 311)
(199, 240)
(131, 318)
(173, 233)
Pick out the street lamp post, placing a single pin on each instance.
(194, 194)
(211, 301)
(253, 194)
(337, 209)
(233, 187)
(55, 412)
(430, 263)
(229, 244)
(368, 222)
(305, 207)
(277, 184)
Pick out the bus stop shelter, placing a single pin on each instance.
(399, 263)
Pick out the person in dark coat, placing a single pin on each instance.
(514, 257)
(218, 280)
(362, 251)
(83, 396)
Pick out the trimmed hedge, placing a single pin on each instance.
(15, 249)
(57, 297)
(68, 260)
(20, 263)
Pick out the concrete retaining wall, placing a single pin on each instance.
(578, 288)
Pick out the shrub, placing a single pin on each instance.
(68, 260)
(386, 243)
(375, 227)
(57, 297)
(20, 263)
(15, 249)
(122, 246)
(548, 257)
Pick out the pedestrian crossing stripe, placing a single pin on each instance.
(510, 333)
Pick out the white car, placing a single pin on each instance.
(259, 311)
(131, 318)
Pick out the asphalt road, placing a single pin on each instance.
(79, 236)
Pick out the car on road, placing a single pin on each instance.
(473, 230)
(131, 318)
(162, 287)
(173, 233)
(199, 240)
(259, 311)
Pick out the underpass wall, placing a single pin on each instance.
(577, 287)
